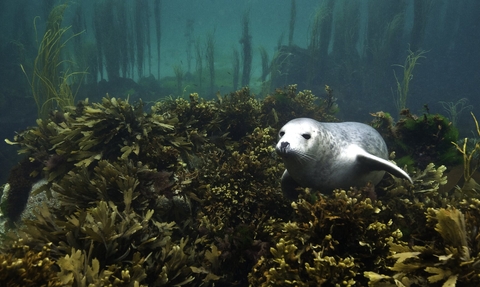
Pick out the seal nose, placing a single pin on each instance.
(283, 147)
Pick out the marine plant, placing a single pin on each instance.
(236, 208)
(281, 66)
(334, 240)
(235, 68)
(49, 89)
(420, 20)
(455, 253)
(118, 47)
(400, 95)
(313, 249)
(23, 266)
(284, 105)
(265, 63)
(169, 196)
(343, 45)
(454, 110)
(191, 183)
(382, 46)
(291, 26)
(157, 12)
(469, 166)
(199, 62)
(319, 32)
(246, 42)
(179, 74)
(142, 36)
(421, 139)
(69, 146)
(210, 56)
(189, 27)
(114, 44)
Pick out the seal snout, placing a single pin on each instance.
(283, 147)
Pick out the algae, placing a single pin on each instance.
(188, 194)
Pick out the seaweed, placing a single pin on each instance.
(469, 166)
(324, 243)
(169, 196)
(49, 88)
(401, 93)
(450, 261)
(419, 139)
(23, 266)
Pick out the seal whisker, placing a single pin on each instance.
(302, 157)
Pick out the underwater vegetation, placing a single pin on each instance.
(187, 184)
(401, 93)
(49, 88)
(188, 194)
(419, 140)
(470, 160)
(455, 109)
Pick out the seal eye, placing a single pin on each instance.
(281, 134)
(306, 136)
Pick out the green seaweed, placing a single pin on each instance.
(423, 139)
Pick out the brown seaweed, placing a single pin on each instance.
(168, 197)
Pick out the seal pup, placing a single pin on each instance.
(326, 156)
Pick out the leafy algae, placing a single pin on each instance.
(167, 197)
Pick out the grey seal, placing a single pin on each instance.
(326, 156)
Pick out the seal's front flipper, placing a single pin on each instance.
(288, 186)
(377, 163)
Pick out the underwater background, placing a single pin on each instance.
(151, 127)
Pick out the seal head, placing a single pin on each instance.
(326, 156)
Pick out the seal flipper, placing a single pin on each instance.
(288, 186)
(378, 163)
